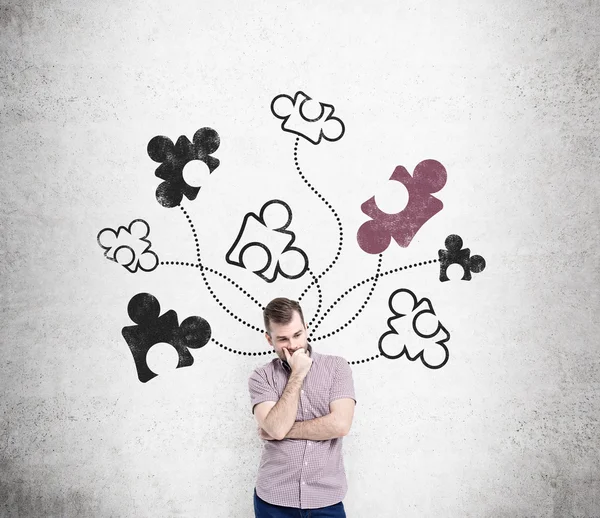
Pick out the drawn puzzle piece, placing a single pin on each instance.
(129, 247)
(455, 254)
(267, 234)
(174, 157)
(374, 236)
(307, 118)
(420, 336)
(151, 329)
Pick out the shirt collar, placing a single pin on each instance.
(285, 364)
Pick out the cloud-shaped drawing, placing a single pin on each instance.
(420, 336)
(268, 234)
(174, 158)
(129, 247)
(307, 118)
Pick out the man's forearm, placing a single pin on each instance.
(281, 417)
(318, 429)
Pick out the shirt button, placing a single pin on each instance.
(306, 463)
(302, 391)
(303, 482)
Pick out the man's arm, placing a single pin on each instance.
(278, 419)
(341, 410)
(331, 426)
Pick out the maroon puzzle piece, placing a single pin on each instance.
(374, 236)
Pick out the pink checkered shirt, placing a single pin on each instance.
(297, 472)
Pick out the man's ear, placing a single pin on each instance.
(268, 337)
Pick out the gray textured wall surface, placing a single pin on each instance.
(503, 94)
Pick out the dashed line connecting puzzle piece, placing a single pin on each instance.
(374, 236)
(420, 336)
(151, 329)
(129, 247)
(264, 245)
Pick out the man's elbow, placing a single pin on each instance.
(279, 436)
(277, 433)
(344, 428)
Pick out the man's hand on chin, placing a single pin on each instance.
(264, 435)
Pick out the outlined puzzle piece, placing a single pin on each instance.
(414, 331)
(456, 254)
(264, 245)
(307, 118)
(375, 235)
(151, 329)
(129, 246)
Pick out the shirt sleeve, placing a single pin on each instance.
(260, 389)
(343, 384)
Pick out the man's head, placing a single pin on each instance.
(285, 327)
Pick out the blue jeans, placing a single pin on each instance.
(264, 509)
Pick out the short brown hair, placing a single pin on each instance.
(281, 311)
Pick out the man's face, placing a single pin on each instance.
(291, 336)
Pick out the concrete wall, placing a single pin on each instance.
(502, 94)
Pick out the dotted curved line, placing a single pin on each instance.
(195, 236)
(223, 276)
(420, 263)
(214, 296)
(208, 286)
(265, 353)
(216, 272)
(181, 263)
(339, 222)
(394, 270)
(242, 353)
(307, 289)
(360, 310)
(356, 362)
(320, 294)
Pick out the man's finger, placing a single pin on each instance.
(287, 355)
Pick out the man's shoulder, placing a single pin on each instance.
(262, 370)
(331, 361)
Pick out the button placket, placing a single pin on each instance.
(305, 405)
(304, 412)
(301, 403)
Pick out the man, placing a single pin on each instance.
(304, 403)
